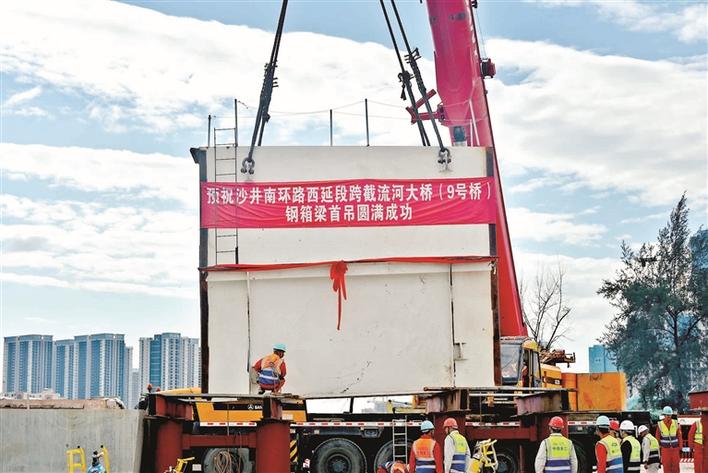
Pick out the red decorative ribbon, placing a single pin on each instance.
(338, 269)
(339, 285)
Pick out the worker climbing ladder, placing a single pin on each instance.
(399, 441)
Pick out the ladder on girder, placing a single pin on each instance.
(399, 443)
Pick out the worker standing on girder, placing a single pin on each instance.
(608, 452)
(271, 370)
(695, 441)
(668, 433)
(631, 448)
(650, 450)
(457, 450)
(556, 454)
(425, 454)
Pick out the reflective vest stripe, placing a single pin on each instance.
(460, 456)
(698, 434)
(423, 451)
(614, 453)
(269, 375)
(557, 454)
(668, 435)
(635, 457)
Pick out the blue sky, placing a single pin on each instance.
(599, 110)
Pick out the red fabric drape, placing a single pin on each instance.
(338, 269)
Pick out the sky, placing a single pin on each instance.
(599, 111)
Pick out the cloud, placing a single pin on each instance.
(606, 123)
(525, 224)
(120, 173)
(689, 23)
(24, 96)
(586, 124)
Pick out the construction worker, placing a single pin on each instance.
(608, 452)
(271, 370)
(695, 441)
(650, 450)
(457, 451)
(668, 433)
(425, 453)
(631, 448)
(615, 429)
(556, 453)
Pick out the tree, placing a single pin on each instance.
(544, 307)
(659, 331)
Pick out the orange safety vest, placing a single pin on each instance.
(424, 458)
(269, 375)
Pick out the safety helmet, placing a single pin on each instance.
(627, 425)
(279, 346)
(426, 426)
(614, 425)
(642, 429)
(556, 422)
(667, 411)
(450, 422)
(603, 421)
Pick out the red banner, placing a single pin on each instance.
(348, 203)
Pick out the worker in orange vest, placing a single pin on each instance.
(425, 453)
(271, 370)
(608, 452)
(695, 441)
(668, 433)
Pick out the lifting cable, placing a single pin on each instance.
(405, 77)
(269, 82)
(412, 59)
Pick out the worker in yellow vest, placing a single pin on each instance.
(556, 454)
(457, 451)
(631, 448)
(695, 441)
(608, 452)
(650, 450)
(669, 435)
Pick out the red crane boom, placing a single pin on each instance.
(460, 73)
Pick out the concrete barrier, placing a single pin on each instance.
(36, 439)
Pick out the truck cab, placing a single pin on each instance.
(523, 364)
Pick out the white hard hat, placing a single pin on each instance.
(642, 429)
(627, 425)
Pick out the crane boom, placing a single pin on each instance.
(460, 73)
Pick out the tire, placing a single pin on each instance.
(338, 456)
(584, 465)
(385, 453)
(508, 461)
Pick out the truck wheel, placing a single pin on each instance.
(508, 461)
(583, 464)
(385, 453)
(338, 456)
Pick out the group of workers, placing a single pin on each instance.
(617, 451)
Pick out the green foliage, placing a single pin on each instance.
(659, 334)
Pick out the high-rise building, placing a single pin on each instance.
(134, 389)
(27, 364)
(101, 365)
(169, 361)
(600, 360)
(64, 368)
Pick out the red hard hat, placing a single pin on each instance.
(614, 425)
(450, 422)
(556, 422)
